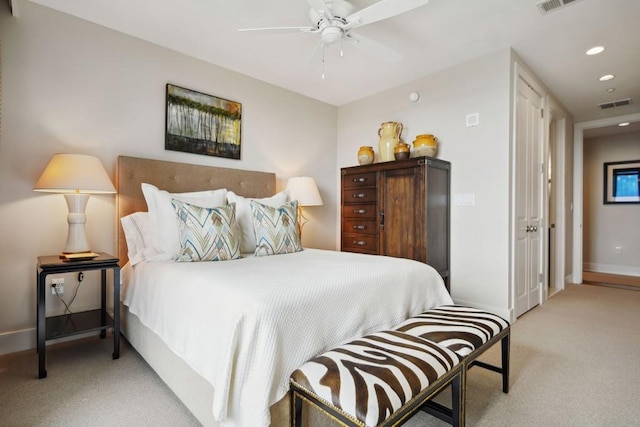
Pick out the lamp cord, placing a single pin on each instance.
(75, 293)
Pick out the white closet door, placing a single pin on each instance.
(528, 203)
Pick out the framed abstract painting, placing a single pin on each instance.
(202, 124)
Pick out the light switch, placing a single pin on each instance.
(464, 199)
(473, 119)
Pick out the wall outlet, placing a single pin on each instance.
(618, 250)
(57, 287)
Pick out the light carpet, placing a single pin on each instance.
(575, 361)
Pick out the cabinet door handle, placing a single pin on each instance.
(360, 242)
(360, 211)
(381, 218)
(359, 227)
(359, 195)
(359, 179)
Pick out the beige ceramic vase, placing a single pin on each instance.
(389, 134)
(425, 145)
(365, 155)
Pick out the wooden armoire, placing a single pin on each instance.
(399, 208)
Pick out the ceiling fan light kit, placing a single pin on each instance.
(334, 21)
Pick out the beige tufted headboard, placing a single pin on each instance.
(179, 177)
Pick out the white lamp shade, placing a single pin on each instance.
(304, 190)
(78, 176)
(74, 173)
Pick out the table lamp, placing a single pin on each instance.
(76, 176)
(305, 191)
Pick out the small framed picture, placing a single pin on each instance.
(622, 182)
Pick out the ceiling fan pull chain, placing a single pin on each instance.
(322, 61)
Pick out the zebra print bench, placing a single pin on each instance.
(468, 332)
(379, 380)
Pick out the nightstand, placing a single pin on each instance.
(49, 328)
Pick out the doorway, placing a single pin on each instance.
(578, 170)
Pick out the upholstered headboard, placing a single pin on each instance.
(174, 177)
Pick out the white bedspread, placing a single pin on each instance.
(245, 325)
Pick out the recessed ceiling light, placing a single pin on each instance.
(624, 124)
(606, 77)
(611, 89)
(595, 50)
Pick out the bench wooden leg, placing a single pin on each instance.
(457, 401)
(505, 364)
(296, 409)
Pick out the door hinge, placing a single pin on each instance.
(540, 278)
(541, 113)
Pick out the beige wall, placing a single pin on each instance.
(71, 86)
(609, 226)
(479, 157)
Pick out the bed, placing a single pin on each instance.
(248, 323)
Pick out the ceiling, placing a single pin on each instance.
(431, 38)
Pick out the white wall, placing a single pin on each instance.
(479, 157)
(607, 226)
(72, 86)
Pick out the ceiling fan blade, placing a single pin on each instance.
(315, 54)
(278, 30)
(374, 48)
(321, 7)
(382, 10)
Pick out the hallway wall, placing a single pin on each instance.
(607, 226)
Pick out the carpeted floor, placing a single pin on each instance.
(575, 362)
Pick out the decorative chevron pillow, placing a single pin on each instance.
(207, 234)
(276, 228)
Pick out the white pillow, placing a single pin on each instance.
(165, 234)
(245, 220)
(136, 233)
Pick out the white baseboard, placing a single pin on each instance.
(611, 269)
(505, 314)
(11, 342)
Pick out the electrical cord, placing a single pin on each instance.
(75, 293)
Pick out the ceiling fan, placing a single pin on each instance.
(335, 20)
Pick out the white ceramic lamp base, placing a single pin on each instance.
(77, 236)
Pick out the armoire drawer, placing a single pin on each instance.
(359, 211)
(359, 195)
(361, 243)
(359, 180)
(358, 225)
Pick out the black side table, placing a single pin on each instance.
(76, 323)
